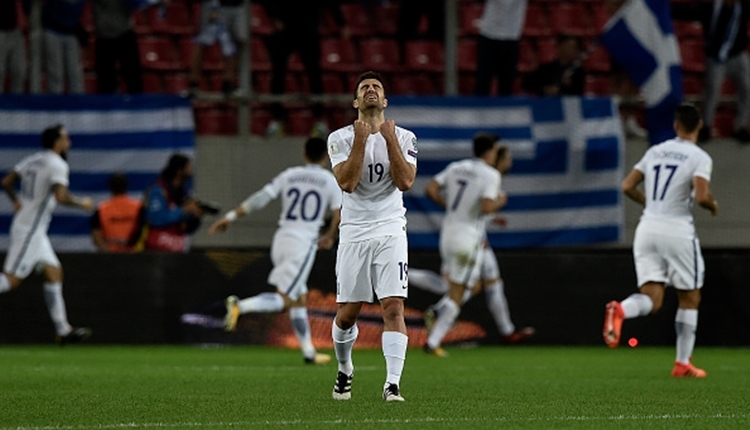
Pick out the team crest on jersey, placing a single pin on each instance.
(333, 148)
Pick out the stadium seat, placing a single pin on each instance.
(688, 30)
(178, 18)
(546, 49)
(175, 83)
(213, 60)
(215, 121)
(527, 58)
(338, 55)
(723, 125)
(466, 83)
(385, 17)
(383, 55)
(87, 18)
(424, 56)
(571, 18)
(535, 23)
(598, 85)
(693, 56)
(597, 60)
(141, 23)
(300, 122)
(259, 119)
(260, 62)
(332, 84)
(599, 16)
(152, 83)
(467, 55)
(158, 54)
(469, 14)
(691, 86)
(357, 19)
(260, 24)
(414, 84)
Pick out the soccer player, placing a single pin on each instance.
(308, 193)
(374, 161)
(666, 251)
(44, 183)
(469, 190)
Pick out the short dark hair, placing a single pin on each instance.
(315, 149)
(483, 142)
(50, 135)
(176, 163)
(118, 183)
(687, 116)
(367, 75)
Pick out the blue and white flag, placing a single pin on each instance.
(640, 37)
(134, 135)
(564, 187)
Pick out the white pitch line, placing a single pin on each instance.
(133, 425)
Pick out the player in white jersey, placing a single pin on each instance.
(44, 183)
(675, 174)
(490, 280)
(469, 190)
(308, 194)
(374, 161)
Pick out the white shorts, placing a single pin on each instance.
(462, 258)
(293, 258)
(28, 252)
(674, 261)
(372, 268)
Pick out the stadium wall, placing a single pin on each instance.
(178, 298)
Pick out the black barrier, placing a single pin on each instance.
(178, 298)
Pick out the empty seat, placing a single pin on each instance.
(693, 56)
(260, 24)
(141, 23)
(380, 54)
(175, 83)
(571, 18)
(356, 18)
(215, 121)
(600, 16)
(300, 122)
(535, 23)
(598, 60)
(178, 18)
(338, 55)
(213, 60)
(687, 30)
(467, 55)
(418, 84)
(469, 15)
(260, 62)
(598, 85)
(385, 19)
(333, 84)
(424, 55)
(152, 83)
(158, 54)
(527, 58)
(546, 49)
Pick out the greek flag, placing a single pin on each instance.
(564, 186)
(134, 135)
(639, 36)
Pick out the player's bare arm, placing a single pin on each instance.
(630, 187)
(434, 193)
(348, 172)
(222, 224)
(703, 195)
(64, 197)
(402, 172)
(328, 238)
(9, 185)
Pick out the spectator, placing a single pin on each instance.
(725, 31)
(223, 22)
(12, 47)
(563, 76)
(115, 219)
(116, 42)
(296, 28)
(170, 213)
(61, 24)
(497, 45)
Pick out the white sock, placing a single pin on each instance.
(301, 327)
(56, 307)
(498, 306)
(428, 281)
(637, 305)
(685, 324)
(343, 342)
(446, 317)
(4, 283)
(394, 351)
(263, 302)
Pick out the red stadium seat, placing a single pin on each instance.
(417, 84)
(688, 30)
(380, 54)
(152, 83)
(535, 23)
(333, 84)
(598, 85)
(527, 58)
(338, 55)
(571, 18)
(158, 54)
(546, 49)
(141, 23)
(175, 83)
(598, 60)
(260, 62)
(424, 56)
(213, 60)
(386, 19)
(467, 55)
(600, 16)
(214, 121)
(692, 86)
(260, 24)
(469, 18)
(357, 19)
(693, 56)
(300, 122)
(178, 18)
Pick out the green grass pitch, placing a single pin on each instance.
(176, 387)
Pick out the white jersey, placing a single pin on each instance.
(38, 173)
(376, 207)
(307, 193)
(668, 170)
(503, 19)
(466, 183)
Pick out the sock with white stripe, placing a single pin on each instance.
(394, 350)
(263, 302)
(301, 328)
(498, 306)
(685, 324)
(637, 305)
(56, 307)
